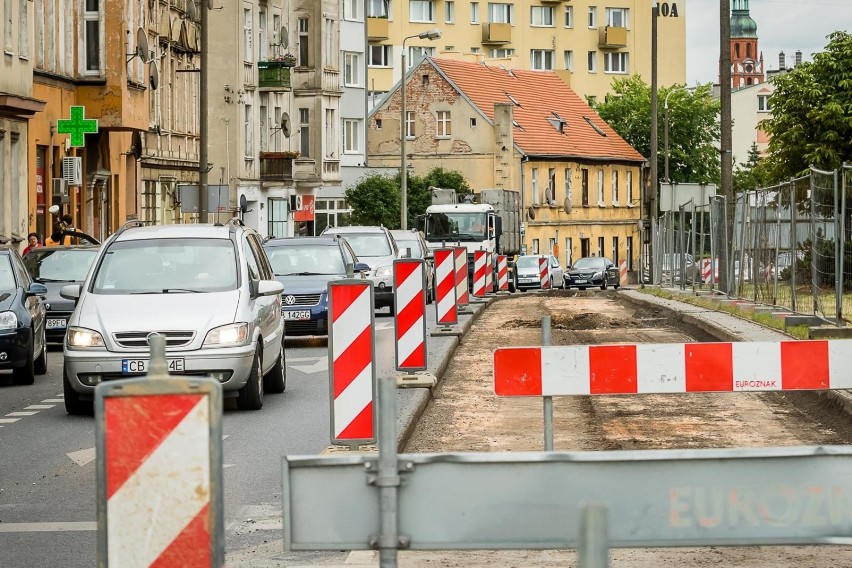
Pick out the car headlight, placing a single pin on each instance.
(231, 335)
(598, 275)
(8, 320)
(80, 338)
(384, 272)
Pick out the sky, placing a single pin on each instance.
(782, 25)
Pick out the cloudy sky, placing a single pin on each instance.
(782, 25)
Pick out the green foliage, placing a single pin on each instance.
(693, 126)
(753, 174)
(419, 196)
(811, 122)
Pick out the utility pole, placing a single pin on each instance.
(202, 123)
(655, 11)
(726, 138)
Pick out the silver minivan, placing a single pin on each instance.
(208, 289)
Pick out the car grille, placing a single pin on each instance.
(301, 299)
(306, 327)
(59, 314)
(139, 339)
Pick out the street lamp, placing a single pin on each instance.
(432, 34)
(666, 131)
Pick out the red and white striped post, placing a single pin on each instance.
(462, 295)
(489, 272)
(502, 273)
(544, 272)
(352, 372)
(479, 273)
(622, 272)
(445, 272)
(159, 477)
(409, 281)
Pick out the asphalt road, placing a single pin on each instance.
(47, 458)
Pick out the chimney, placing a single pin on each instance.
(782, 61)
(798, 57)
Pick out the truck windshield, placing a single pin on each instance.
(456, 226)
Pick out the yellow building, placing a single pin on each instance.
(588, 43)
(580, 182)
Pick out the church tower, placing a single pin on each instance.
(746, 61)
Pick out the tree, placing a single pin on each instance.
(693, 126)
(752, 174)
(419, 195)
(811, 122)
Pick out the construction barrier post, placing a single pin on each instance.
(544, 272)
(479, 261)
(445, 302)
(462, 294)
(489, 272)
(409, 314)
(502, 273)
(622, 273)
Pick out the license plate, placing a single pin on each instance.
(56, 323)
(296, 315)
(529, 280)
(129, 366)
(580, 281)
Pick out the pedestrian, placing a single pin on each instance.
(33, 241)
(57, 237)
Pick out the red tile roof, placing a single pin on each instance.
(539, 94)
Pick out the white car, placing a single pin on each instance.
(376, 247)
(528, 276)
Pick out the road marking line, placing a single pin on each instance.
(47, 527)
(54, 400)
(40, 406)
(82, 457)
(22, 413)
(8, 420)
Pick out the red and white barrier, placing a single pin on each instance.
(352, 371)
(462, 295)
(707, 267)
(673, 368)
(544, 272)
(502, 273)
(479, 260)
(489, 272)
(409, 281)
(622, 272)
(445, 272)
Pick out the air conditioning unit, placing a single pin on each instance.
(60, 189)
(72, 170)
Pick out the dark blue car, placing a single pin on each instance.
(23, 347)
(305, 265)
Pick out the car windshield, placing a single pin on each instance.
(527, 262)
(416, 251)
(163, 266)
(369, 244)
(59, 265)
(589, 262)
(7, 277)
(305, 260)
(456, 226)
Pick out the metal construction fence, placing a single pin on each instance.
(789, 245)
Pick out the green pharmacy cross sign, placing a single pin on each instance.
(77, 126)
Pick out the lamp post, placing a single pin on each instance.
(432, 34)
(666, 130)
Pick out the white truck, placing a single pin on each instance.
(488, 220)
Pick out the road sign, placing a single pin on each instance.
(479, 261)
(352, 373)
(409, 281)
(77, 126)
(544, 272)
(462, 295)
(673, 368)
(445, 272)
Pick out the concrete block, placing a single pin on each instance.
(730, 302)
(781, 315)
(764, 310)
(830, 332)
(799, 319)
(365, 449)
(747, 307)
(447, 331)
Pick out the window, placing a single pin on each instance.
(473, 122)
(628, 181)
(501, 13)
(541, 59)
(568, 195)
(614, 256)
(247, 132)
(569, 16)
(380, 56)
(351, 136)
(615, 62)
(8, 28)
(593, 62)
(553, 261)
(304, 133)
(617, 17)
(568, 252)
(569, 60)
(351, 69)
(23, 28)
(600, 246)
(615, 187)
(600, 188)
(304, 45)
(421, 11)
(474, 12)
(763, 103)
(91, 19)
(593, 17)
(449, 11)
(277, 216)
(277, 138)
(331, 54)
(541, 16)
(409, 124)
(444, 126)
(264, 121)
(474, 50)
(378, 8)
(248, 51)
(534, 181)
(585, 180)
(551, 187)
(351, 10)
(630, 254)
(261, 41)
(330, 141)
(332, 213)
(501, 52)
(535, 246)
(378, 123)
(418, 52)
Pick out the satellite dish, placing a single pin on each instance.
(283, 37)
(243, 203)
(190, 10)
(285, 125)
(142, 44)
(531, 213)
(566, 205)
(153, 75)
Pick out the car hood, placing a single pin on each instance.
(53, 300)
(307, 284)
(158, 312)
(578, 271)
(7, 298)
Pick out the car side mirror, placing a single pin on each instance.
(37, 289)
(350, 270)
(71, 291)
(361, 267)
(269, 288)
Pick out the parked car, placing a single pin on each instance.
(528, 276)
(412, 244)
(672, 262)
(56, 267)
(23, 347)
(305, 266)
(376, 247)
(593, 271)
(209, 289)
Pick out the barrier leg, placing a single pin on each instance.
(548, 400)
(388, 479)
(593, 550)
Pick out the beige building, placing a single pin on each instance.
(588, 43)
(580, 182)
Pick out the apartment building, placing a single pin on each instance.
(587, 42)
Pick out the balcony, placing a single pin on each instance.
(273, 75)
(377, 29)
(612, 37)
(276, 166)
(330, 81)
(496, 33)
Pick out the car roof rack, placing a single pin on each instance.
(133, 223)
